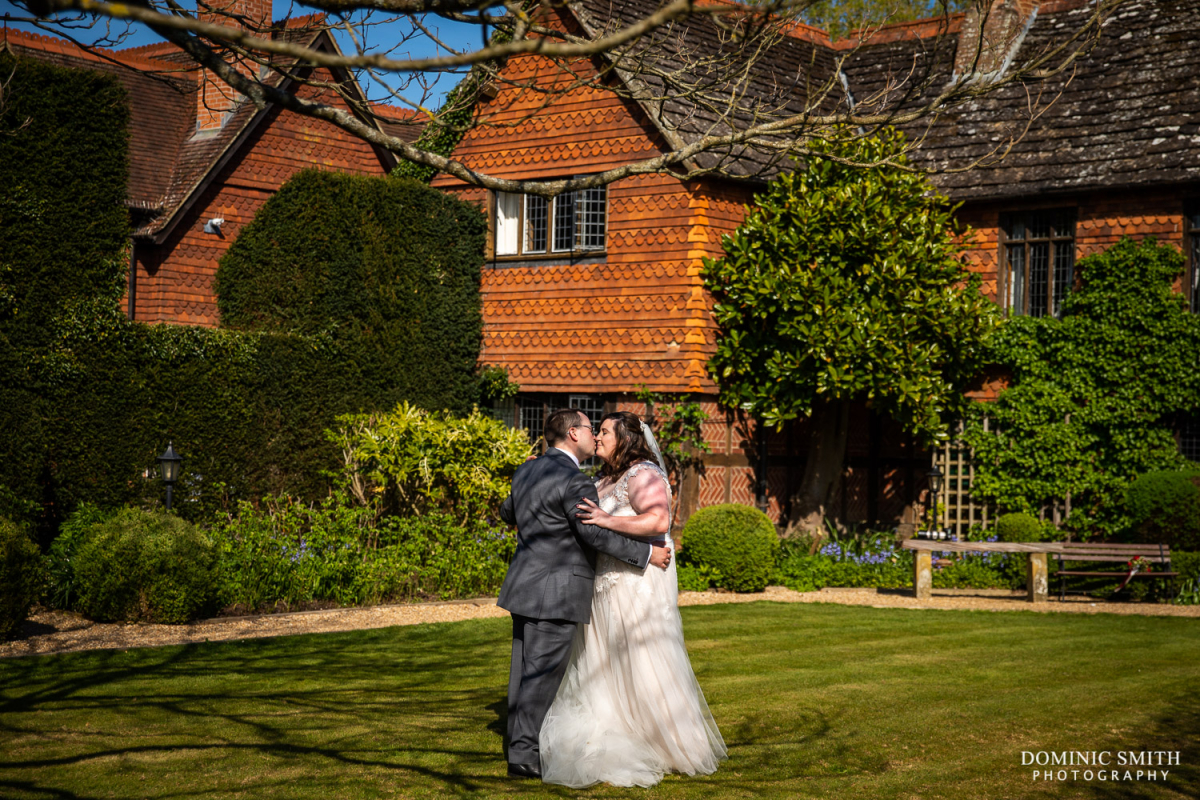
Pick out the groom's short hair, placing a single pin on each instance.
(558, 423)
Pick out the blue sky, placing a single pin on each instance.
(382, 37)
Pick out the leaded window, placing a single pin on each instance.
(533, 415)
(1189, 437)
(532, 225)
(1039, 251)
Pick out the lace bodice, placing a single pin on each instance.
(615, 499)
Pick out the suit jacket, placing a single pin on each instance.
(551, 575)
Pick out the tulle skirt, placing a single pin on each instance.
(629, 709)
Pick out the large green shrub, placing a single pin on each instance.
(1019, 527)
(409, 461)
(62, 590)
(390, 268)
(20, 576)
(738, 543)
(142, 565)
(846, 285)
(1164, 507)
(288, 553)
(1095, 394)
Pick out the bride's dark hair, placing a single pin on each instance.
(631, 444)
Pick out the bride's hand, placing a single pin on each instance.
(592, 514)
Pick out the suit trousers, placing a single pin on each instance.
(540, 650)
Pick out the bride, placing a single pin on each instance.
(629, 708)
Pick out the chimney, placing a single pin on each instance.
(990, 37)
(216, 100)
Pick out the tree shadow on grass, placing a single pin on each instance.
(411, 708)
(1176, 731)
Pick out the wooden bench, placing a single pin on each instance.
(1037, 580)
(1157, 554)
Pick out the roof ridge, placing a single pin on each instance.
(393, 111)
(148, 48)
(53, 44)
(931, 26)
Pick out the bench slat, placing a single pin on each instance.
(1120, 550)
(1116, 545)
(982, 547)
(1068, 556)
(1084, 572)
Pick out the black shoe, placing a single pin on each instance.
(524, 771)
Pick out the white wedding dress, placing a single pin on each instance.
(629, 709)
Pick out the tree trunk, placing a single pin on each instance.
(828, 432)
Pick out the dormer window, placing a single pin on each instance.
(529, 225)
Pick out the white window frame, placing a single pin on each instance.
(503, 245)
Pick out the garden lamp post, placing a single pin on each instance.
(935, 486)
(168, 468)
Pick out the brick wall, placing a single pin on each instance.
(635, 314)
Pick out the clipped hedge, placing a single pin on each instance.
(1164, 508)
(20, 577)
(63, 231)
(145, 566)
(390, 268)
(736, 545)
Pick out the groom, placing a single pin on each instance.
(548, 588)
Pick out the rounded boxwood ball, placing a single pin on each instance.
(1019, 527)
(147, 566)
(738, 542)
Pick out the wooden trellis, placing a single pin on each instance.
(958, 510)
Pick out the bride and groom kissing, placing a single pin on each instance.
(600, 686)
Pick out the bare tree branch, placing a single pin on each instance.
(735, 90)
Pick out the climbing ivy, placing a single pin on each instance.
(1095, 395)
(456, 115)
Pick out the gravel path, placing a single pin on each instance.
(60, 632)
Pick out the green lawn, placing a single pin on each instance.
(813, 700)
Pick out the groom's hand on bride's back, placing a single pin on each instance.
(660, 556)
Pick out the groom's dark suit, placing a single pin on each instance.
(549, 585)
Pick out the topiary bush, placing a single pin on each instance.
(388, 268)
(737, 543)
(1164, 508)
(145, 566)
(20, 576)
(64, 227)
(1020, 527)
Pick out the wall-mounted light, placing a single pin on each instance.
(214, 225)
